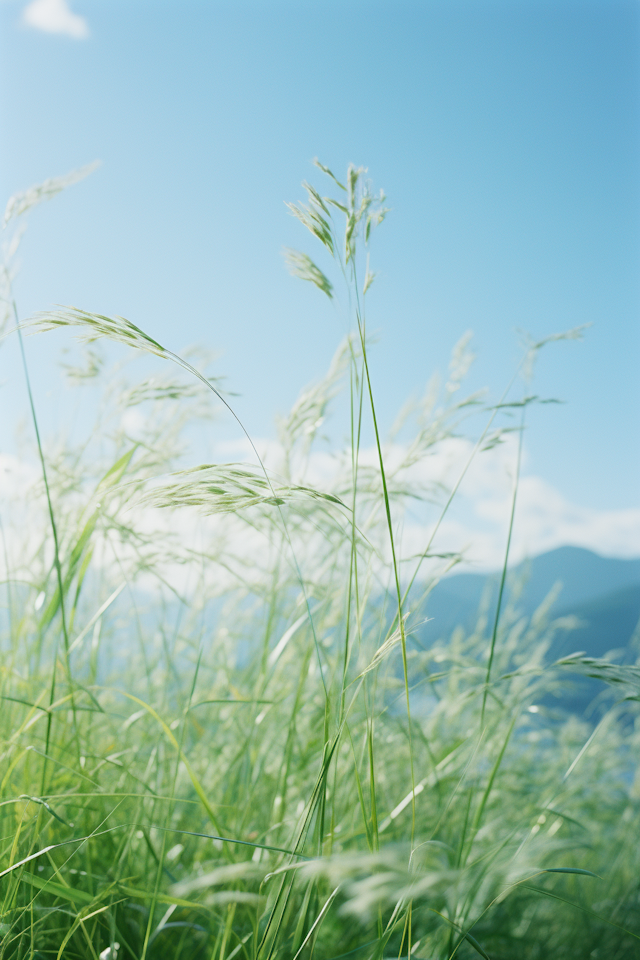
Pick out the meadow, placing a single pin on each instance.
(226, 730)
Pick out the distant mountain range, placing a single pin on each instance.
(603, 593)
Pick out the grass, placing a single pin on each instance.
(226, 729)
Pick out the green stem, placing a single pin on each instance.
(396, 572)
(503, 577)
(56, 548)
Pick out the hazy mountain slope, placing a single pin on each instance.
(585, 576)
(586, 581)
(607, 625)
(601, 592)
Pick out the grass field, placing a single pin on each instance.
(223, 733)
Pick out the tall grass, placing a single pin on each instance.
(227, 728)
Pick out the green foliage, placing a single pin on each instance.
(249, 748)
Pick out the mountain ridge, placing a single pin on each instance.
(587, 584)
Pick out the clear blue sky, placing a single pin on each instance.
(505, 135)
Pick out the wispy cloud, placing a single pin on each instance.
(55, 16)
(476, 525)
(545, 518)
(477, 521)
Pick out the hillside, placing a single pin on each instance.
(602, 593)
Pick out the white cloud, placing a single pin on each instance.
(55, 16)
(545, 518)
(477, 522)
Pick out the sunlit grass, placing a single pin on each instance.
(227, 730)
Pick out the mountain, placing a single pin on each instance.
(602, 593)
(582, 578)
(607, 624)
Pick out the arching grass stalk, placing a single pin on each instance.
(125, 332)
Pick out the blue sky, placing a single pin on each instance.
(505, 135)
